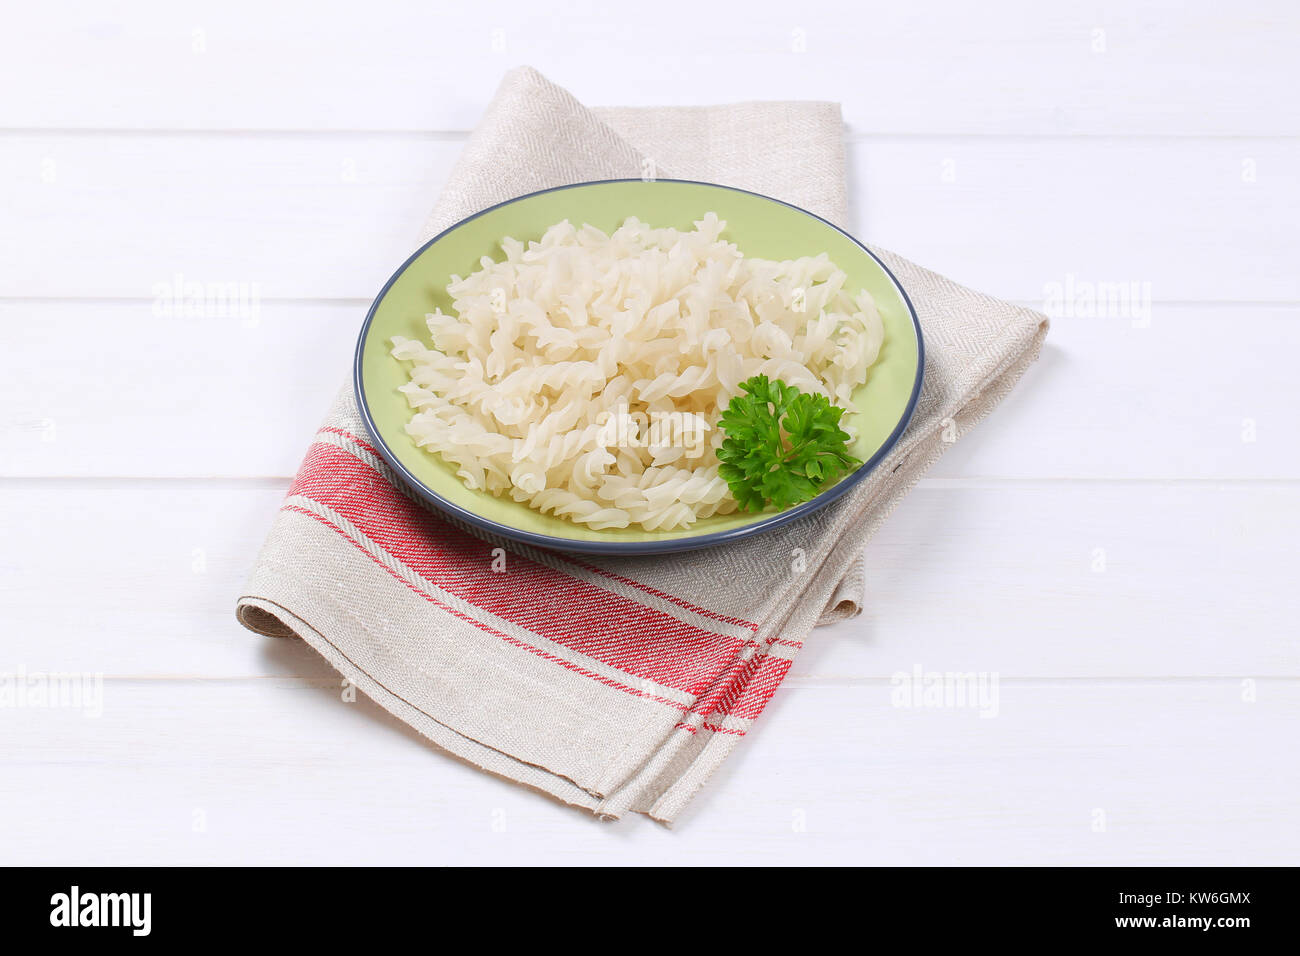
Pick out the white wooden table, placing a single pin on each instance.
(1117, 544)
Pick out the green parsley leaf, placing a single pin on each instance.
(782, 446)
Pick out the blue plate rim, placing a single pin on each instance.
(668, 545)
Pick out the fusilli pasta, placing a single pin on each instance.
(585, 373)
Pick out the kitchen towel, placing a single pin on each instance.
(614, 684)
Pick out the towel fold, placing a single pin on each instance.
(613, 683)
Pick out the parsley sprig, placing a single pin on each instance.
(782, 446)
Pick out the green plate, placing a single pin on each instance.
(759, 225)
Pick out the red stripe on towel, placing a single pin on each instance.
(486, 627)
(595, 569)
(573, 613)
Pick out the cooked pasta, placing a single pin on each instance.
(585, 374)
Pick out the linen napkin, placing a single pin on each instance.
(615, 684)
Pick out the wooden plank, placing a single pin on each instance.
(150, 395)
(1009, 66)
(111, 389)
(1202, 220)
(1111, 398)
(123, 216)
(324, 216)
(203, 772)
(1023, 579)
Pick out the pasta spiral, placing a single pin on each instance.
(585, 374)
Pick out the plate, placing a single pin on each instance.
(758, 225)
